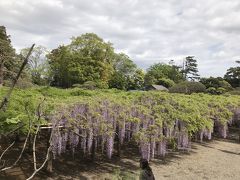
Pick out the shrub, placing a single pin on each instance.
(87, 85)
(91, 85)
(188, 87)
(166, 82)
(224, 84)
(221, 90)
(80, 92)
(216, 91)
(212, 90)
(21, 84)
(216, 83)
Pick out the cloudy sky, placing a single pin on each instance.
(149, 31)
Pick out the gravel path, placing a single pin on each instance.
(215, 160)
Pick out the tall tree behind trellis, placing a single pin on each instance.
(7, 54)
(233, 75)
(190, 68)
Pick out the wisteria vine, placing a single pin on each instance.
(152, 121)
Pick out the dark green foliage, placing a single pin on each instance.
(118, 81)
(216, 91)
(233, 76)
(59, 60)
(187, 87)
(126, 76)
(216, 83)
(212, 90)
(9, 62)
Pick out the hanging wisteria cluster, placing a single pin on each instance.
(151, 122)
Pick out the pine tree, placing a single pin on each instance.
(190, 68)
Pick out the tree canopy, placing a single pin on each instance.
(233, 75)
(160, 70)
(8, 58)
(87, 58)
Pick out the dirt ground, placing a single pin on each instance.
(218, 159)
(215, 160)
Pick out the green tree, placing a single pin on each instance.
(59, 60)
(233, 75)
(216, 83)
(94, 56)
(159, 71)
(7, 56)
(190, 68)
(87, 58)
(125, 73)
(123, 64)
(118, 81)
(136, 81)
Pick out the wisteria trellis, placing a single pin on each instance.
(151, 123)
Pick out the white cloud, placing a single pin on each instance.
(148, 31)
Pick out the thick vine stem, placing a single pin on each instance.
(19, 157)
(36, 133)
(6, 150)
(45, 161)
(34, 148)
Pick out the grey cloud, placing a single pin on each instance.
(148, 31)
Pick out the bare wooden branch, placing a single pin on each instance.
(7, 97)
(6, 150)
(19, 157)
